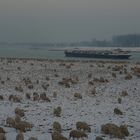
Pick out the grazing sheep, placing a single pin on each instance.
(10, 121)
(58, 136)
(19, 112)
(83, 126)
(2, 136)
(77, 134)
(32, 138)
(20, 136)
(57, 127)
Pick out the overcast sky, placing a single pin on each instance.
(67, 20)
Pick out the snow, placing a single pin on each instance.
(96, 110)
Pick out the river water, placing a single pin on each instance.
(27, 51)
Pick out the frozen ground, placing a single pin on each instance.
(95, 109)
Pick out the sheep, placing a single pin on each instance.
(2, 136)
(32, 138)
(77, 134)
(20, 136)
(58, 136)
(83, 126)
(19, 112)
(10, 121)
(57, 127)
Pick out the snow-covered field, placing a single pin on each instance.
(95, 109)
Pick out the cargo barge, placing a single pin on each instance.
(97, 54)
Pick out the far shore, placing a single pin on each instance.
(135, 49)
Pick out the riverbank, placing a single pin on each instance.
(85, 90)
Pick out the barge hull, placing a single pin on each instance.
(105, 56)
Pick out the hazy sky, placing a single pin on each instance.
(67, 20)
